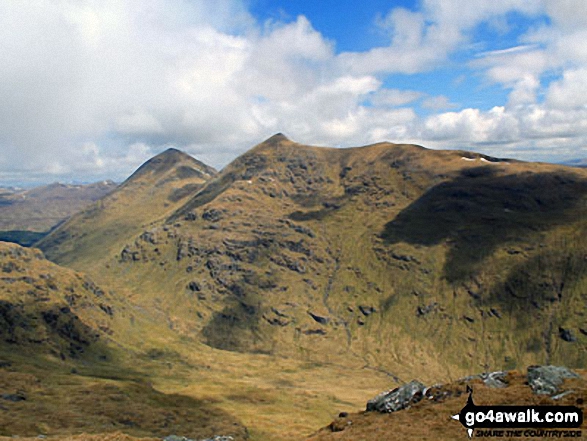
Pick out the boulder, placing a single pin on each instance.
(490, 379)
(194, 286)
(367, 310)
(398, 398)
(183, 438)
(495, 379)
(14, 397)
(319, 318)
(566, 335)
(545, 380)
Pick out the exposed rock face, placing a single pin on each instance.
(183, 438)
(567, 335)
(397, 399)
(546, 380)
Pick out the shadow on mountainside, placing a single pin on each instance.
(476, 212)
(101, 406)
(547, 278)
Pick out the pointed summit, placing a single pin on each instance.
(275, 139)
(278, 140)
(171, 153)
(168, 160)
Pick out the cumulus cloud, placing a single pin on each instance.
(569, 92)
(439, 102)
(94, 88)
(395, 97)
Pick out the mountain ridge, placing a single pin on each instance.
(275, 219)
(385, 261)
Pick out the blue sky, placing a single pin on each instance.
(349, 24)
(356, 27)
(92, 89)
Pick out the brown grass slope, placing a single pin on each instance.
(430, 419)
(63, 370)
(45, 308)
(41, 208)
(388, 257)
(158, 187)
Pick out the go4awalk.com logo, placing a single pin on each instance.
(518, 421)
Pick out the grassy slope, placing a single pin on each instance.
(469, 265)
(71, 372)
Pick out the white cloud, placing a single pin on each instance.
(508, 51)
(468, 125)
(569, 92)
(567, 15)
(439, 102)
(90, 87)
(394, 97)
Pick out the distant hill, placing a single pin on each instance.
(576, 162)
(25, 215)
(389, 257)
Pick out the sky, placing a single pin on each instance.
(90, 89)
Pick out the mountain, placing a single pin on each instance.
(298, 269)
(26, 215)
(392, 257)
(153, 191)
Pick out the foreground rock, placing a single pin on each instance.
(183, 438)
(397, 399)
(415, 412)
(546, 380)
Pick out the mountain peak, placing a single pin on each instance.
(168, 160)
(276, 139)
(171, 153)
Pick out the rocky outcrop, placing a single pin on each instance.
(48, 307)
(490, 379)
(546, 380)
(431, 407)
(397, 399)
(543, 380)
(183, 438)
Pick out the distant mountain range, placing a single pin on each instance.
(25, 215)
(576, 162)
